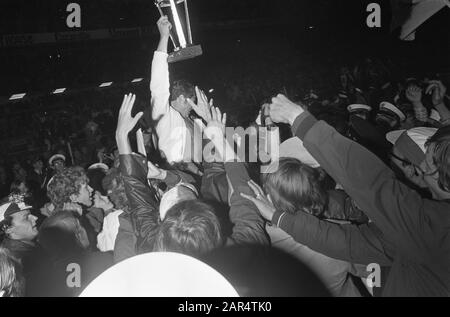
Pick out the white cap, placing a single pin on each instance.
(56, 157)
(102, 166)
(394, 109)
(160, 274)
(418, 135)
(358, 106)
(11, 208)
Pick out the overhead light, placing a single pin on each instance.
(211, 90)
(17, 96)
(59, 91)
(137, 80)
(106, 84)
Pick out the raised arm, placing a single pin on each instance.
(394, 208)
(248, 224)
(159, 84)
(143, 210)
(351, 243)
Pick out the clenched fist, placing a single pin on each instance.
(282, 110)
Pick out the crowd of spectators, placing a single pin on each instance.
(361, 177)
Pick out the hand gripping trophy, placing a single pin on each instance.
(181, 34)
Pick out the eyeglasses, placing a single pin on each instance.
(408, 163)
(404, 161)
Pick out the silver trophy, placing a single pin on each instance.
(178, 13)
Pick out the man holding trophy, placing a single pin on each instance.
(171, 108)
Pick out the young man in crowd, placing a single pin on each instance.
(70, 190)
(18, 229)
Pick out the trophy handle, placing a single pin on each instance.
(188, 22)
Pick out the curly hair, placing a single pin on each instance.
(65, 184)
(295, 187)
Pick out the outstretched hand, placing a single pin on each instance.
(414, 94)
(203, 107)
(265, 207)
(126, 122)
(282, 110)
(216, 125)
(437, 90)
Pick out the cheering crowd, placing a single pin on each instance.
(357, 180)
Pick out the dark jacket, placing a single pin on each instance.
(343, 208)
(411, 234)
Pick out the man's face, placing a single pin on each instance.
(84, 195)
(182, 106)
(58, 165)
(23, 226)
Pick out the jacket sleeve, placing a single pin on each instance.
(351, 243)
(143, 209)
(395, 209)
(160, 85)
(248, 224)
(342, 207)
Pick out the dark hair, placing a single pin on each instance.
(96, 176)
(441, 155)
(12, 281)
(190, 227)
(182, 87)
(58, 235)
(295, 187)
(113, 182)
